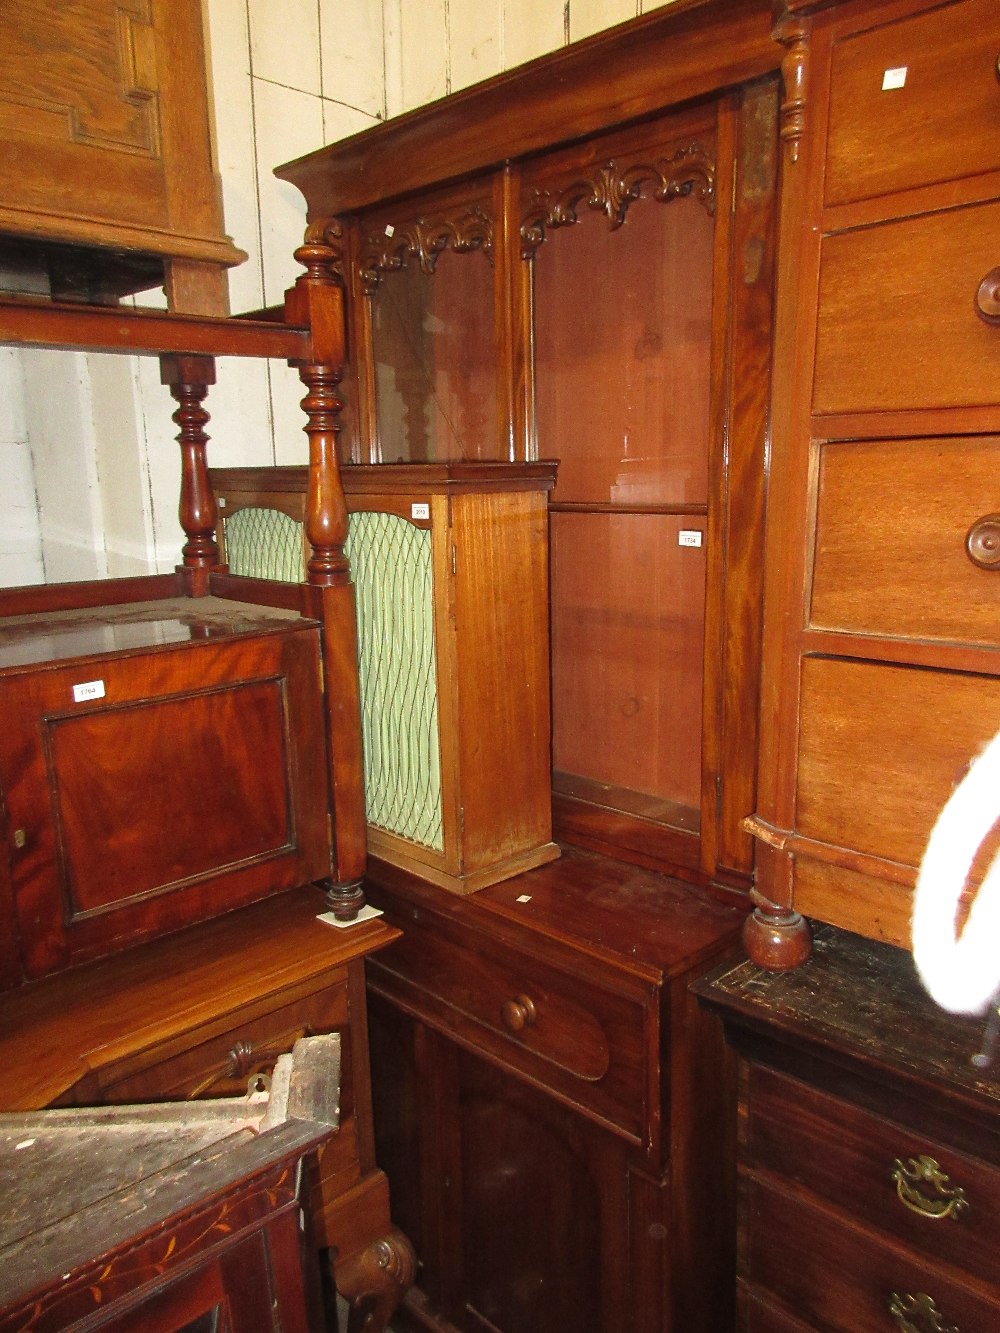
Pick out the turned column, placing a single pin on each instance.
(188, 378)
(775, 935)
(316, 301)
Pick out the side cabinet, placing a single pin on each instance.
(869, 1157)
(551, 1106)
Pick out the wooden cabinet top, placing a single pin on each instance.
(675, 54)
(134, 626)
(857, 1005)
(611, 914)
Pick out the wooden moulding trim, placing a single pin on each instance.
(26, 323)
(674, 54)
(36, 599)
(166, 244)
(844, 858)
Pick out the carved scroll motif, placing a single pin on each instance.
(612, 189)
(329, 233)
(793, 34)
(423, 240)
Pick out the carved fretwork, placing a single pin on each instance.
(612, 189)
(792, 31)
(423, 240)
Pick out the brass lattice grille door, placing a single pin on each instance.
(393, 586)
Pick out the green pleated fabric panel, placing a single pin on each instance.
(393, 587)
(264, 544)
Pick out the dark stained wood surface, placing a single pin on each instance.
(859, 1002)
(869, 1160)
(643, 920)
(538, 1037)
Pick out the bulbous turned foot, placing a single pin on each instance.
(776, 940)
(345, 901)
(376, 1280)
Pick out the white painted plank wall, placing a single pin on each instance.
(287, 76)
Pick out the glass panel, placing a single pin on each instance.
(393, 586)
(622, 355)
(628, 613)
(435, 361)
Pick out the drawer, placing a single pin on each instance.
(892, 520)
(881, 748)
(760, 1315)
(836, 1276)
(897, 326)
(220, 1064)
(941, 124)
(583, 1042)
(857, 1170)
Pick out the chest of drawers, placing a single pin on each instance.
(881, 593)
(869, 1158)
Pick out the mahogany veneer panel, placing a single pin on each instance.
(627, 651)
(789, 1134)
(117, 717)
(841, 1277)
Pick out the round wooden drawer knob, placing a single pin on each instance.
(982, 542)
(988, 297)
(518, 1014)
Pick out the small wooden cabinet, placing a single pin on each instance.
(553, 1110)
(870, 1148)
(450, 570)
(119, 720)
(880, 666)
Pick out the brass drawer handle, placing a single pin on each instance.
(982, 542)
(519, 1013)
(946, 1201)
(988, 297)
(918, 1314)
